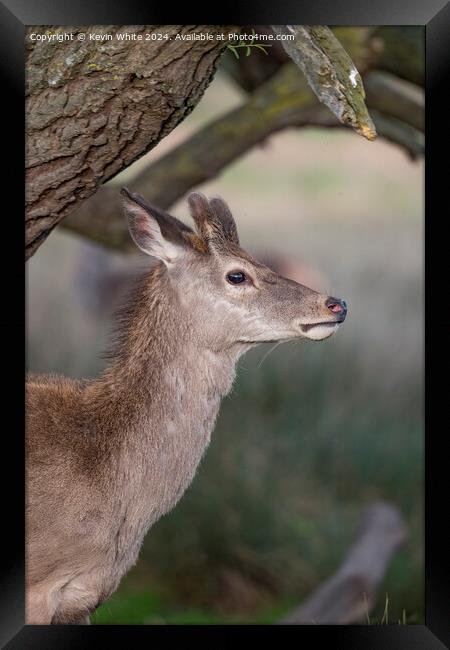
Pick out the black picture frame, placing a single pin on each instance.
(434, 15)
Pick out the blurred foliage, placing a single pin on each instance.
(274, 508)
(403, 51)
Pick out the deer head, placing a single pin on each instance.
(231, 298)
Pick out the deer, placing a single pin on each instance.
(107, 457)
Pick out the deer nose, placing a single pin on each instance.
(337, 306)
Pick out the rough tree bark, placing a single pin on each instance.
(280, 102)
(95, 106)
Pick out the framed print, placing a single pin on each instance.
(227, 422)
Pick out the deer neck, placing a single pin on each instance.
(153, 411)
(163, 388)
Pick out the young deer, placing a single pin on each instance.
(106, 458)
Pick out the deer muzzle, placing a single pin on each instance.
(332, 315)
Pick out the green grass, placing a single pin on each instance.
(142, 607)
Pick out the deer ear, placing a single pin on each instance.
(202, 215)
(214, 220)
(223, 212)
(153, 231)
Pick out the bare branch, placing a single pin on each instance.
(400, 133)
(331, 74)
(283, 101)
(396, 97)
(390, 128)
(400, 49)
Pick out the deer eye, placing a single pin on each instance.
(236, 278)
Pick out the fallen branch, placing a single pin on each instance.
(349, 595)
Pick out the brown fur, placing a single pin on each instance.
(106, 458)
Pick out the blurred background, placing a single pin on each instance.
(312, 432)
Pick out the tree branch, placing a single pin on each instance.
(401, 51)
(400, 133)
(283, 101)
(390, 128)
(330, 72)
(396, 97)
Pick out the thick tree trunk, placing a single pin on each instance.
(95, 106)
